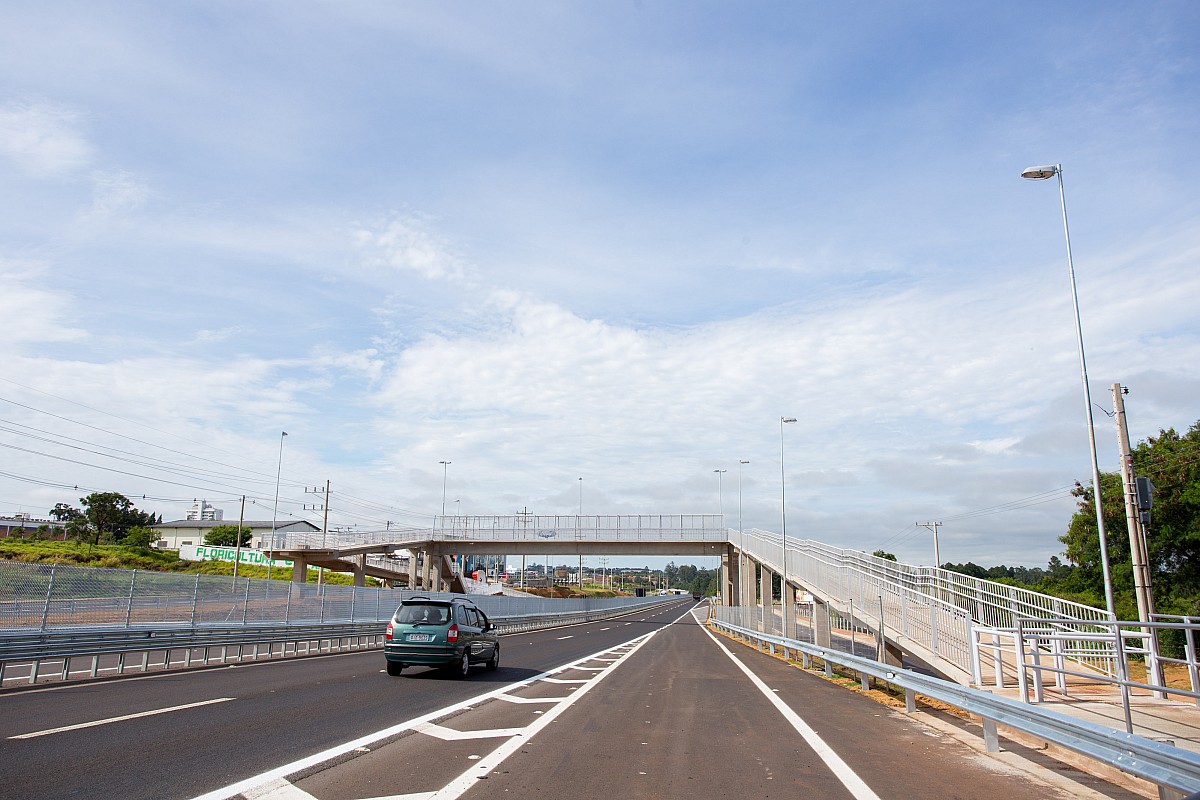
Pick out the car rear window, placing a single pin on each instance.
(427, 613)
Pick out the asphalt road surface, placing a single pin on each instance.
(635, 707)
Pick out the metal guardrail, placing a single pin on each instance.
(34, 649)
(1159, 763)
(192, 639)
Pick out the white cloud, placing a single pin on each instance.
(42, 139)
(406, 244)
(32, 314)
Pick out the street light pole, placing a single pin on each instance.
(720, 493)
(783, 587)
(445, 474)
(275, 512)
(1042, 173)
(747, 591)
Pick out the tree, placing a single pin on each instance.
(140, 536)
(1170, 461)
(881, 554)
(105, 514)
(227, 536)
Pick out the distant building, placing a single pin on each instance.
(204, 510)
(24, 525)
(191, 531)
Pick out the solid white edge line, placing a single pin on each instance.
(315, 759)
(841, 770)
(80, 725)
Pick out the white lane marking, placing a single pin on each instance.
(451, 735)
(591, 669)
(841, 770)
(604, 629)
(512, 698)
(280, 790)
(569, 680)
(572, 636)
(256, 781)
(464, 782)
(35, 734)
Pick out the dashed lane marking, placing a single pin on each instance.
(451, 735)
(512, 698)
(65, 728)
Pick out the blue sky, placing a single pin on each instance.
(614, 241)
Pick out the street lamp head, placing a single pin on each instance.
(787, 419)
(1040, 173)
(743, 461)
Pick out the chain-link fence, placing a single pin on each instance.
(55, 597)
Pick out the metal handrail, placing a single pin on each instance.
(1156, 762)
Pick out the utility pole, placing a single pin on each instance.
(325, 522)
(933, 526)
(237, 553)
(1138, 548)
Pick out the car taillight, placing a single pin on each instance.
(452, 634)
(389, 632)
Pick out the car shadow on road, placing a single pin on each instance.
(478, 674)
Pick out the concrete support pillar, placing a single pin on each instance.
(893, 656)
(360, 567)
(820, 623)
(726, 579)
(766, 583)
(412, 569)
(747, 580)
(427, 571)
(299, 569)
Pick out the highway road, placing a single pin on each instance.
(646, 706)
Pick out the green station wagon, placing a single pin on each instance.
(452, 634)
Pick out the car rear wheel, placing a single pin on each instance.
(463, 666)
(394, 669)
(494, 661)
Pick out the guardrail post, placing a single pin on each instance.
(910, 701)
(49, 591)
(287, 607)
(991, 740)
(246, 602)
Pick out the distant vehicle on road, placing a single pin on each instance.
(696, 596)
(451, 634)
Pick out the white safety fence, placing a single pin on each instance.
(933, 607)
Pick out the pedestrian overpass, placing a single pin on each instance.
(952, 623)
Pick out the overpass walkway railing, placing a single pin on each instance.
(945, 612)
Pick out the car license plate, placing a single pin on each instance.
(419, 637)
